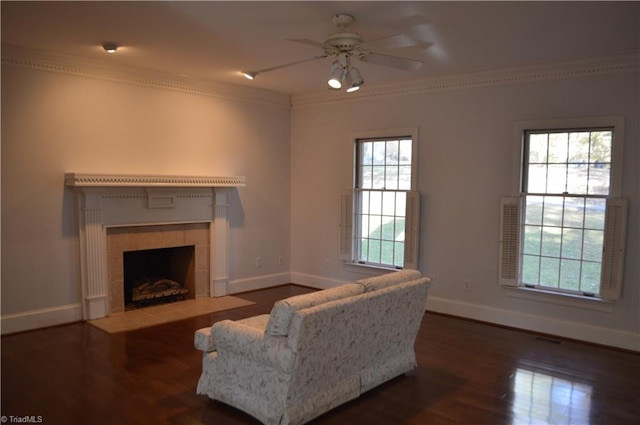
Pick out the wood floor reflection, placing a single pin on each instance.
(469, 373)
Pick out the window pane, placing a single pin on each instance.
(592, 245)
(401, 204)
(557, 178)
(392, 152)
(538, 148)
(404, 177)
(375, 223)
(551, 241)
(532, 239)
(570, 275)
(405, 152)
(537, 179)
(552, 213)
(378, 177)
(530, 269)
(366, 153)
(558, 147)
(572, 243)
(573, 212)
(595, 210)
(387, 252)
(400, 230)
(549, 271)
(375, 202)
(388, 203)
(579, 147)
(391, 179)
(533, 212)
(601, 146)
(399, 250)
(364, 202)
(578, 178)
(388, 230)
(599, 179)
(590, 277)
(374, 251)
(378, 153)
(366, 177)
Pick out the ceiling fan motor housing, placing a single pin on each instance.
(342, 42)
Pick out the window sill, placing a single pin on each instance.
(588, 303)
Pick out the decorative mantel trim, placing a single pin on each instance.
(118, 180)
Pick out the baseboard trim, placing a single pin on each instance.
(42, 318)
(529, 322)
(314, 281)
(258, 282)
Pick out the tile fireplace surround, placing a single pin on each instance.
(146, 203)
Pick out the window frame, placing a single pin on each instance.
(616, 124)
(351, 253)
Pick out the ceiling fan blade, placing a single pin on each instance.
(285, 65)
(306, 41)
(392, 61)
(390, 42)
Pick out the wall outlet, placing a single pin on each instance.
(258, 261)
(467, 285)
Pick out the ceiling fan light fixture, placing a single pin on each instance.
(110, 47)
(354, 80)
(335, 76)
(249, 75)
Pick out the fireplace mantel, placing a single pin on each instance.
(121, 180)
(112, 200)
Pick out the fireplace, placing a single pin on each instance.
(124, 213)
(157, 276)
(148, 254)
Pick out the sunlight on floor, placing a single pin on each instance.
(540, 398)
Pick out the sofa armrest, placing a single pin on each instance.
(253, 344)
(203, 341)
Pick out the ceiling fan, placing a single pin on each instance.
(345, 46)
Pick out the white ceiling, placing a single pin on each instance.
(215, 39)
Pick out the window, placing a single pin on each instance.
(566, 231)
(384, 203)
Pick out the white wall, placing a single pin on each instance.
(297, 162)
(467, 155)
(53, 123)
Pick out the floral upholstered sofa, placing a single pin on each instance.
(314, 351)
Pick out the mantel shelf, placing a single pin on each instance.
(119, 180)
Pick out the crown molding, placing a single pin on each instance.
(54, 62)
(609, 64)
(625, 62)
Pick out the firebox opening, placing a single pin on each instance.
(156, 276)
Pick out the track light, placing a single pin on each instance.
(250, 75)
(354, 80)
(110, 47)
(335, 76)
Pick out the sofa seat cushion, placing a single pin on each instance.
(283, 310)
(389, 279)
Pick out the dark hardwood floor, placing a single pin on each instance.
(469, 373)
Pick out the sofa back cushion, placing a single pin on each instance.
(389, 279)
(283, 310)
